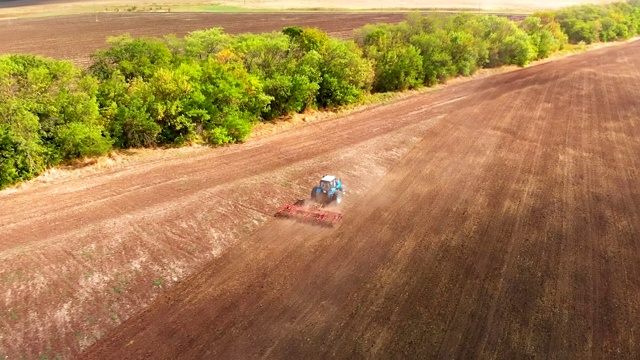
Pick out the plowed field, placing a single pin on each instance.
(497, 218)
(75, 37)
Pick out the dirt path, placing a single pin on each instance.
(507, 227)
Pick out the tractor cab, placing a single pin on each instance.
(329, 184)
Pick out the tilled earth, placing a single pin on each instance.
(497, 218)
(75, 37)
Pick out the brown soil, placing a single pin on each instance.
(529, 5)
(40, 6)
(76, 37)
(496, 218)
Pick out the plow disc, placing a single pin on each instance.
(313, 213)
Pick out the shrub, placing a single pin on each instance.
(125, 107)
(44, 104)
(398, 68)
(77, 139)
(131, 57)
(436, 60)
(346, 75)
(204, 43)
(289, 74)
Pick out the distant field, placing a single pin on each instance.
(19, 8)
(57, 37)
(410, 4)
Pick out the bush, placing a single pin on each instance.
(22, 156)
(175, 104)
(288, 72)
(437, 64)
(171, 91)
(544, 44)
(75, 140)
(590, 23)
(131, 57)
(44, 105)
(218, 136)
(346, 75)
(518, 50)
(398, 65)
(230, 97)
(204, 43)
(398, 68)
(464, 55)
(125, 107)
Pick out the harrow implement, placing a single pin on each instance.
(311, 213)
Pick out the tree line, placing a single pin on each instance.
(212, 87)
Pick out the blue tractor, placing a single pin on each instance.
(329, 190)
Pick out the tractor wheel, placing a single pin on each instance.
(314, 194)
(337, 197)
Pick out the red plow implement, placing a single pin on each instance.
(313, 213)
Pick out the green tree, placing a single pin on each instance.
(289, 74)
(131, 57)
(518, 50)
(41, 100)
(232, 98)
(464, 58)
(436, 59)
(77, 139)
(398, 68)
(308, 39)
(203, 43)
(125, 107)
(398, 65)
(171, 90)
(346, 75)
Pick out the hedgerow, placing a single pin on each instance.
(212, 87)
